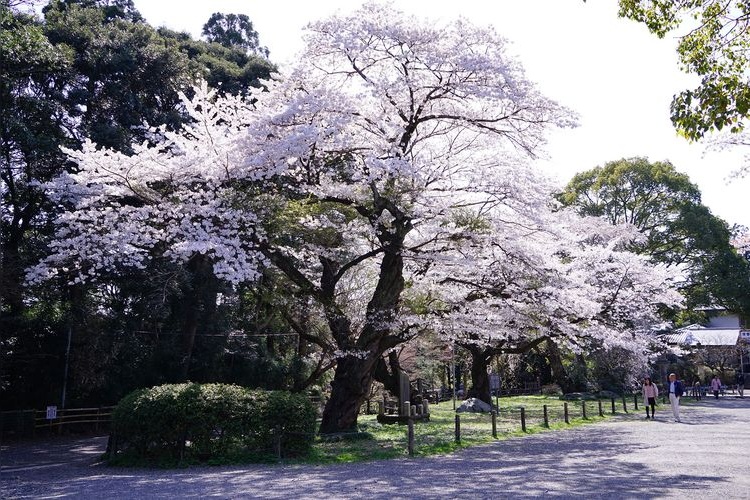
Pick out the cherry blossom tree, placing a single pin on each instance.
(549, 276)
(337, 173)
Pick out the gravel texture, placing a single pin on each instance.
(705, 456)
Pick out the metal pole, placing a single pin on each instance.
(453, 372)
(65, 373)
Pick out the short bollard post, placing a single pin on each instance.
(613, 406)
(458, 429)
(546, 417)
(601, 410)
(523, 419)
(565, 412)
(635, 401)
(583, 409)
(493, 415)
(410, 427)
(624, 404)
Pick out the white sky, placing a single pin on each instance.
(616, 75)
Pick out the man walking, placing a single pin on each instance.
(675, 392)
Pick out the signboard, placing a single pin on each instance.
(51, 412)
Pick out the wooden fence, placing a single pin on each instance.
(27, 423)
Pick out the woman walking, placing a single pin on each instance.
(716, 386)
(650, 393)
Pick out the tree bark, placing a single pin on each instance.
(480, 381)
(559, 374)
(387, 372)
(349, 389)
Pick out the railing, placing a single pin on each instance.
(26, 423)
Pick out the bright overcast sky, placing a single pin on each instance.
(616, 75)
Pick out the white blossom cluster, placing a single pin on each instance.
(390, 135)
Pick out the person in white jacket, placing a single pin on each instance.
(650, 393)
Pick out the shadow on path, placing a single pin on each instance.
(624, 458)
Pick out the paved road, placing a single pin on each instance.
(706, 456)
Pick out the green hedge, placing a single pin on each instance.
(194, 422)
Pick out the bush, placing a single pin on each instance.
(189, 422)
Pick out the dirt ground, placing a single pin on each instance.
(705, 456)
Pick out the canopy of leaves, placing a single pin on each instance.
(233, 31)
(714, 45)
(679, 230)
(661, 202)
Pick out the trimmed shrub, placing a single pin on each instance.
(193, 422)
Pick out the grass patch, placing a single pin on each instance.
(377, 441)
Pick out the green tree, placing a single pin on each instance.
(123, 74)
(92, 69)
(233, 31)
(678, 229)
(713, 45)
(231, 69)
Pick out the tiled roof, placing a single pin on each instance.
(695, 334)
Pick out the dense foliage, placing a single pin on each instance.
(679, 230)
(712, 43)
(94, 69)
(189, 422)
(374, 199)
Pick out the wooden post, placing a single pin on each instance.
(369, 410)
(565, 410)
(112, 445)
(277, 442)
(635, 401)
(523, 419)
(381, 408)
(546, 417)
(613, 406)
(624, 404)
(601, 410)
(458, 429)
(583, 409)
(410, 436)
(493, 415)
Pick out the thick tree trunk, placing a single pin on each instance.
(349, 389)
(559, 374)
(196, 307)
(387, 372)
(480, 381)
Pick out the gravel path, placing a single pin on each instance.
(705, 456)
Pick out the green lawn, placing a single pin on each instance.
(378, 441)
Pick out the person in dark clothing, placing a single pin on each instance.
(739, 379)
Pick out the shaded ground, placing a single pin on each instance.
(705, 456)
